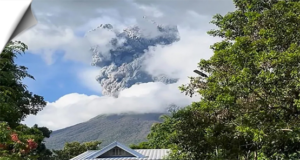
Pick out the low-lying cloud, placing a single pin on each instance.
(153, 97)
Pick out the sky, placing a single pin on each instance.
(60, 60)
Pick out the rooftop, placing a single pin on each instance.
(128, 153)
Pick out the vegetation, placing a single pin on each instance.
(74, 149)
(249, 107)
(142, 145)
(18, 141)
(16, 102)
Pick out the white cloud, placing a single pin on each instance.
(58, 20)
(46, 40)
(75, 108)
(87, 77)
(151, 10)
(37, 37)
(179, 59)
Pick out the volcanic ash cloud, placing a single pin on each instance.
(121, 65)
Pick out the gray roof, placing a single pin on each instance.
(140, 154)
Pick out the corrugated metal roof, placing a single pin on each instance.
(141, 154)
(154, 153)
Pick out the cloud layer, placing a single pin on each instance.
(75, 108)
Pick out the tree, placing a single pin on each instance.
(249, 107)
(142, 145)
(160, 133)
(41, 150)
(74, 149)
(19, 143)
(16, 102)
(17, 140)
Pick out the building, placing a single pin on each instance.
(118, 151)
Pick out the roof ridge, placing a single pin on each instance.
(132, 151)
(116, 144)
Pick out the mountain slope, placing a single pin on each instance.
(125, 128)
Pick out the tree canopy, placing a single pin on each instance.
(249, 106)
(16, 101)
(17, 141)
(74, 149)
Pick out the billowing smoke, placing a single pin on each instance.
(122, 65)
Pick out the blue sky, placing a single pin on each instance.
(53, 81)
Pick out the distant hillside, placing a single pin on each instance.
(125, 128)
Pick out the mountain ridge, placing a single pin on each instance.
(126, 128)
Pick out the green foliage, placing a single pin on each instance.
(42, 152)
(46, 132)
(74, 149)
(249, 107)
(160, 133)
(16, 102)
(19, 143)
(14, 142)
(142, 145)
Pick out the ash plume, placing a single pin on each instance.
(122, 66)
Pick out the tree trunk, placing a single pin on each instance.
(255, 155)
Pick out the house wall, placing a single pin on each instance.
(111, 154)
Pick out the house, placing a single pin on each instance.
(118, 151)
